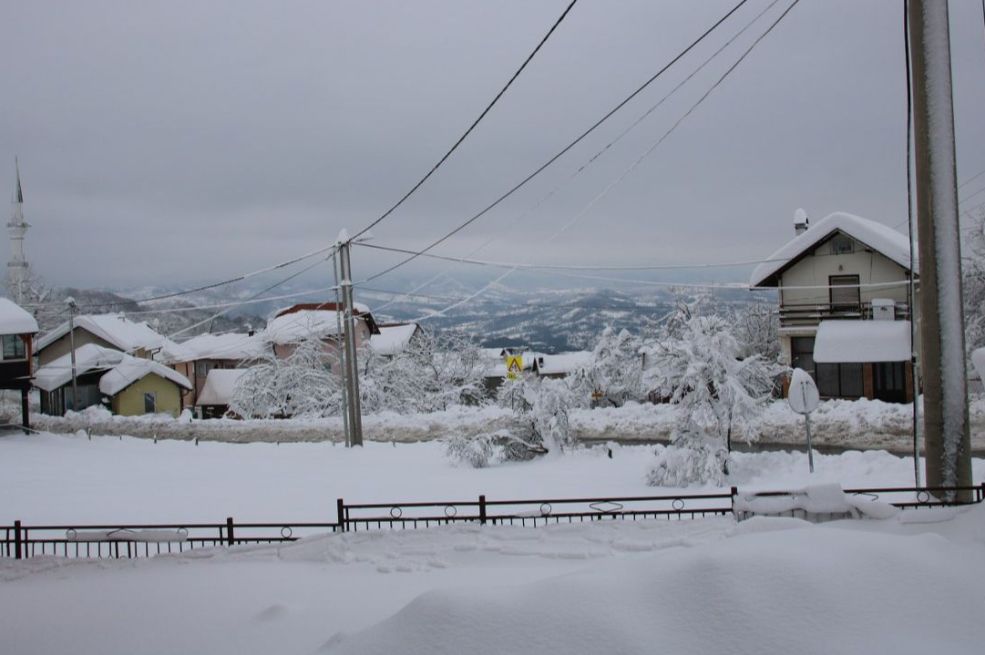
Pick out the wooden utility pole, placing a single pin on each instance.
(351, 367)
(946, 434)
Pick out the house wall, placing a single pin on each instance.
(814, 270)
(63, 346)
(130, 401)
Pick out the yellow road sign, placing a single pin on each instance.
(514, 366)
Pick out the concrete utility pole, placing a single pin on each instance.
(72, 307)
(946, 434)
(349, 341)
(340, 350)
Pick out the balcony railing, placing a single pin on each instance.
(811, 314)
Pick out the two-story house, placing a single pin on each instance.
(844, 298)
(114, 331)
(17, 330)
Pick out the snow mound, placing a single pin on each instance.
(819, 590)
(15, 320)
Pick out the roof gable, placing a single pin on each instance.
(114, 329)
(877, 237)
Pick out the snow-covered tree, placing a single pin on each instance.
(757, 329)
(435, 372)
(299, 385)
(973, 282)
(716, 393)
(617, 367)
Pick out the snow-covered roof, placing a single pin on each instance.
(862, 341)
(219, 386)
(878, 237)
(14, 319)
(393, 339)
(122, 370)
(291, 328)
(132, 369)
(89, 357)
(563, 363)
(299, 322)
(235, 346)
(115, 329)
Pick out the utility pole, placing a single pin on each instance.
(349, 340)
(339, 350)
(72, 307)
(946, 433)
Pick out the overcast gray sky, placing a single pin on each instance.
(173, 142)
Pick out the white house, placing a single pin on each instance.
(844, 305)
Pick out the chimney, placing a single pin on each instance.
(800, 221)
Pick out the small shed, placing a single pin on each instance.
(216, 395)
(140, 386)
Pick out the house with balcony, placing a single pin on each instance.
(845, 306)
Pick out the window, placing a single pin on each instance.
(840, 380)
(13, 347)
(802, 353)
(150, 403)
(842, 245)
(844, 292)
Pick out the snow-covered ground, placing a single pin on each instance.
(708, 585)
(71, 479)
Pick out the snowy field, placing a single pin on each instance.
(903, 585)
(70, 479)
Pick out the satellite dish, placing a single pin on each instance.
(803, 396)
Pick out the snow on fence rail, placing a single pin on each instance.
(147, 540)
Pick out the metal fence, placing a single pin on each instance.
(128, 541)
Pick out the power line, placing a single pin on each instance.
(471, 127)
(251, 298)
(636, 163)
(213, 285)
(574, 267)
(591, 160)
(563, 151)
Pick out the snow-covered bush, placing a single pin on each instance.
(300, 385)
(716, 393)
(541, 409)
(476, 451)
(701, 461)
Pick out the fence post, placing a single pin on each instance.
(735, 491)
(482, 509)
(18, 553)
(230, 537)
(340, 510)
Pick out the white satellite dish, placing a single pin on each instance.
(803, 398)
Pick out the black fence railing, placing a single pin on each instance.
(128, 541)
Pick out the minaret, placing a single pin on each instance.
(17, 228)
